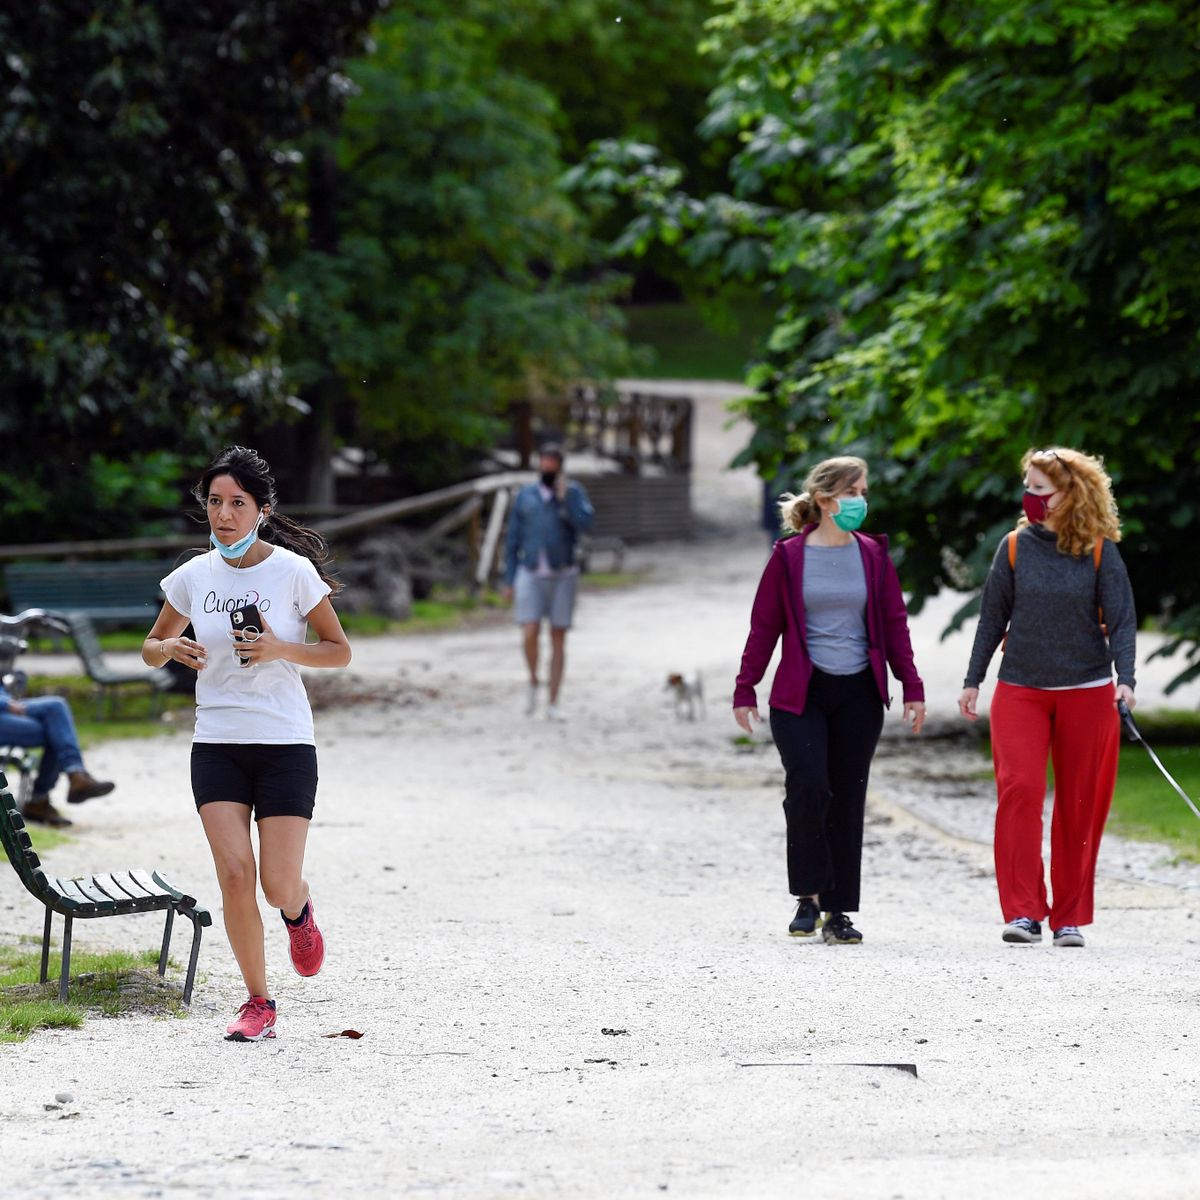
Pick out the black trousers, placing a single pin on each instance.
(826, 755)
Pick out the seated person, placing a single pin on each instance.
(47, 721)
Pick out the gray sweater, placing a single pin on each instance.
(1048, 605)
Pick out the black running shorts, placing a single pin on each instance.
(274, 781)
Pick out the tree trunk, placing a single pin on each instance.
(321, 396)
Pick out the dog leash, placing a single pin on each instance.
(1136, 734)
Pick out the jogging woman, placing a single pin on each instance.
(1058, 586)
(833, 596)
(253, 751)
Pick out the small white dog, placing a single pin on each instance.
(689, 696)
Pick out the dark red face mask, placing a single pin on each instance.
(1036, 507)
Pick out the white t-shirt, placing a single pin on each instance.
(267, 702)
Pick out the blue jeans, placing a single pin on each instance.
(47, 722)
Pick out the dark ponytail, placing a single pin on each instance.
(252, 474)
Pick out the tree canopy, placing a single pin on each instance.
(460, 275)
(198, 246)
(980, 222)
(144, 188)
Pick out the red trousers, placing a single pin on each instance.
(1080, 730)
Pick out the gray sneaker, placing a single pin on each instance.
(1068, 935)
(1022, 931)
(531, 691)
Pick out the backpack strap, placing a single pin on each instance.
(1011, 539)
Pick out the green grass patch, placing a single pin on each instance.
(110, 983)
(116, 640)
(445, 609)
(1145, 805)
(131, 717)
(685, 346)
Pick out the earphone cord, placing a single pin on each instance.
(247, 549)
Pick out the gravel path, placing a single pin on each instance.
(565, 949)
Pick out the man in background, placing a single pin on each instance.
(540, 574)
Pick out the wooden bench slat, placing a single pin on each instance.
(125, 900)
(130, 886)
(181, 898)
(91, 892)
(70, 892)
(107, 888)
(146, 883)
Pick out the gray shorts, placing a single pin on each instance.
(537, 597)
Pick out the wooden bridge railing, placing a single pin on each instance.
(634, 429)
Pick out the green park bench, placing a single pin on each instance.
(115, 894)
(106, 592)
(86, 593)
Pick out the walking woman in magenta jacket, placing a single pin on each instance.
(833, 596)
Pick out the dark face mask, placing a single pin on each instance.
(1037, 508)
(549, 478)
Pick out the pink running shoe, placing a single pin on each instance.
(255, 1021)
(306, 946)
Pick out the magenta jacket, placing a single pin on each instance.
(779, 611)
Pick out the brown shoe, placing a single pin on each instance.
(84, 787)
(42, 812)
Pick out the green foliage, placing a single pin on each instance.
(144, 189)
(632, 71)
(456, 281)
(685, 344)
(980, 224)
(629, 71)
(120, 486)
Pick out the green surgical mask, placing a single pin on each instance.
(851, 513)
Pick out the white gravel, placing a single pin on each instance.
(497, 892)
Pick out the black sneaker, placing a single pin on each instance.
(837, 930)
(1068, 935)
(1022, 931)
(806, 920)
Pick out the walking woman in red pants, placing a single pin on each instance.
(1058, 586)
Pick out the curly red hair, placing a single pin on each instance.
(1087, 510)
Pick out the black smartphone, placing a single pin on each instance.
(245, 620)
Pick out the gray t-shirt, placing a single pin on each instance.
(835, 608)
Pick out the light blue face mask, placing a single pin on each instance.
(851, 513)
(239, 548)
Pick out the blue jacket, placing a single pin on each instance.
(536, 524)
